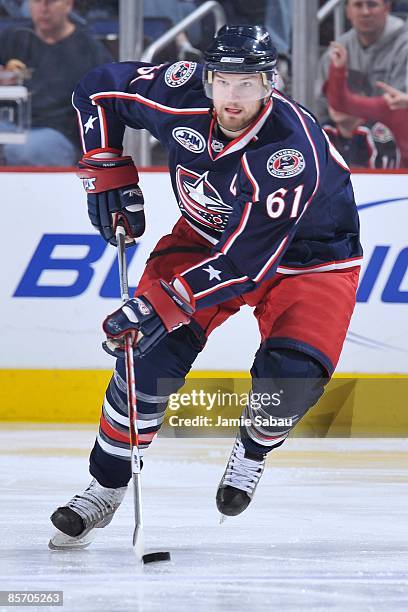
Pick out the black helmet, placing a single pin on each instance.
(241, 49)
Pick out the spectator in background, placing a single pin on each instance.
(190, 41)
(175, 11)
(15, 8)
(240, 12)
(55, 54)
(391, 108)
(278, 21)
(362, 145)
(396, 100)
(377, 47)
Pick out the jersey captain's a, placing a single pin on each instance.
(276, 199)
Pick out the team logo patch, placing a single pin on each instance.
(189, 139)
(200, 201)
(286, 163)
(89, 184)
(143, 309)
(179, 73)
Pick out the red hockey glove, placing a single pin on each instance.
(148, 317)
(112, 188)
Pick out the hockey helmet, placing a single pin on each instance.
(245, 50)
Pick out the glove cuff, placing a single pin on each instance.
(170, 306)
(104, 174)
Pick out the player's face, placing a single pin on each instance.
(50, 15)
(368, 16)
(237, 98)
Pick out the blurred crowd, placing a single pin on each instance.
(46, 46)
(361, 88)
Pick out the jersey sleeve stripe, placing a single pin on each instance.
(232, 281)
(151, 103)
(334, 153)
(240, 228)
(354, 262)
(271, 260)
(251, 178)
(102, 127)
(81, 127)
(201, 263)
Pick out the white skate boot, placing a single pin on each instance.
(239, 481)
(77, 522)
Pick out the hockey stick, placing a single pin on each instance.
(138, 540)
(138, 544)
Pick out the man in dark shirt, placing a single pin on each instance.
(55, 53)
(362, 144)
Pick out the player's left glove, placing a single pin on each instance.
(148, 317)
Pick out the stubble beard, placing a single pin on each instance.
(238, 123)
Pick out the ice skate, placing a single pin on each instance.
(77, 522)
(239, 481)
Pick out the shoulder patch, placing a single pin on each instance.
(189, 139)
(179, 73)
(286, 163)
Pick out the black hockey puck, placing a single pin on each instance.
(156, 556)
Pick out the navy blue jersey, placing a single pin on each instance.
(276, 199)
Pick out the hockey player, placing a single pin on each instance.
(268, 219)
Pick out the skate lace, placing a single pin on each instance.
(96, 502)
(242, 472)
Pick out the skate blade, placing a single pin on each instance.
(62, 541)
(223, 518)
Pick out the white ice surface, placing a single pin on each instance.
(327, 529)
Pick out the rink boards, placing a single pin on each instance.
(59, 279)
(364, 405)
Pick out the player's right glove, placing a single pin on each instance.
(112, 188)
